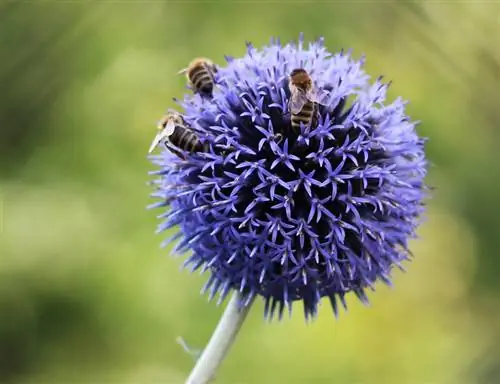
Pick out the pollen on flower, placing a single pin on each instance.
(294, 216)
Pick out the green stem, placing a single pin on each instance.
(220, 342)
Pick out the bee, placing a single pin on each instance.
(173, 130)
(201, 75)
(304, 101)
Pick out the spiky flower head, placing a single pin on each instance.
(294, 216)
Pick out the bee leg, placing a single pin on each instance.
(175, 152)
(287, 117)
(178, 154)
(315, 118)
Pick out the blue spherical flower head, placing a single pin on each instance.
(295, 215)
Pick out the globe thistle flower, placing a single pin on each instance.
(294, 216)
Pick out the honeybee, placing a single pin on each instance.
(201, 75)
(304, 101)
(173, 130)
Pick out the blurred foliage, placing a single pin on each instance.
(86, 296)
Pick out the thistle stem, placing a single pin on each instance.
(221, 341)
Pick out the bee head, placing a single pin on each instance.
(177, 119)
(201, 62)
(300, 78)
(196, 64)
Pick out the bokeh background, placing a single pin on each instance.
(87, 295)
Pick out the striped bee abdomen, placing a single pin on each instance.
(306, 116)
(200, 74)
(186, 140)
(202, 80)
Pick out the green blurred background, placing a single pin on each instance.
(87, 296)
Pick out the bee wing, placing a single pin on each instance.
(162, 135)
(321, 97)
(157, 140)
(297, 102)
(169, 128)
(183, 71)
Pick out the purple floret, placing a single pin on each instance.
(290, 216)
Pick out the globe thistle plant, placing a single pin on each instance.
(294, 215)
